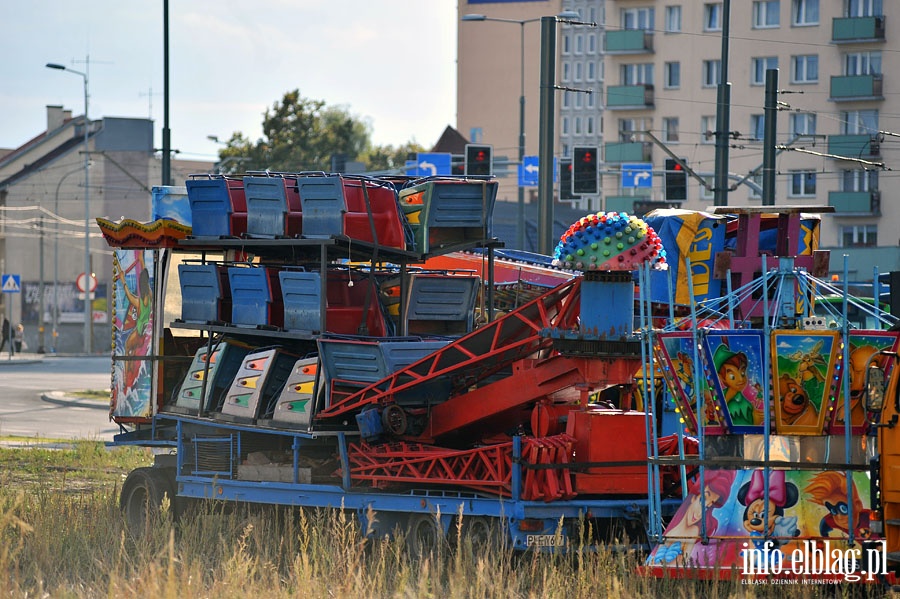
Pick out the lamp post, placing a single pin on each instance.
(520, 237)
(88, 312)
(55, 313)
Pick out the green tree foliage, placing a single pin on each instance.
(300, 134)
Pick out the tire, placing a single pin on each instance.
(424, 536)
(142, 496)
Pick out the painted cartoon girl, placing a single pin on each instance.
(766, 519)
(685, 529)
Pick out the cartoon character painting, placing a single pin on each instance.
(829, 489)
(677, 352)
(738, 365)
(804, 368)
(685, 530)
(766, 521)
(864, 346)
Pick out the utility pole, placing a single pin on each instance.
(723, 114)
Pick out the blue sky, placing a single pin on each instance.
(389, 62)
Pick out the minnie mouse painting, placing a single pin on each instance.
(782, 495)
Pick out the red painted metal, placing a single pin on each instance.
(479, 354)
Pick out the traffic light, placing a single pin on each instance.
(676, 181)
(478, 159)
(565, 180)
(584, 171)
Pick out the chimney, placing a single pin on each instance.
(56, 117)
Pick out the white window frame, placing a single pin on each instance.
(673, 19)
(800, 182)
(800, 13)
(863, 8)
(766, 14)
(757, 126)
(859, 122)
(564, 125)
(753, 193)
(670, 129)
(708, 123)
(566, 44)
(858, 179)
(707, 193)
(670, 82)
(712, 73)
(862, 63)
(591, 72)
(758, 67)
(802, 123)
(636, 73)
(800, 68)
(712, 16)
(860, 234)
(641, 17)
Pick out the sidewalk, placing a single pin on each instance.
(21, 358)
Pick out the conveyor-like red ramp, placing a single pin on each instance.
(469, 360)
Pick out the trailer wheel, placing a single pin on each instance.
(480, 532)
(394, 420)
(142, 495)
(424, 536)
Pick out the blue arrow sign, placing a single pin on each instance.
(11, 283)
(429, 164)
(528, 171)
(637, 174)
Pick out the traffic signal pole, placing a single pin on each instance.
(545, 141)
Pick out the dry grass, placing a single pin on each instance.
(55, 543)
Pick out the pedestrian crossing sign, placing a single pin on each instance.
(11, 283)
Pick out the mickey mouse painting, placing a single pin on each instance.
(782, 495)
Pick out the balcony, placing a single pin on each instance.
(635, 151)
(861, 145)
(854, 88)
(855, 203)
(629, 97)
(629, 41)
(857, 29)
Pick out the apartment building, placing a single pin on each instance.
(835, 122)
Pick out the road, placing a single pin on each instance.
(24, 413)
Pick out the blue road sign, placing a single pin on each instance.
(412, 168)
(528, 171)
(637, 174)
(429, 164)
(11, 283)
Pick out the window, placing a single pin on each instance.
(567, 44)
(578, 71)
(637, 74)
(859, 180)
(589, 101)
(805, 69)
(637, 18)
(707, 129)
(628, 129)
(855, 122)
(579, 44)
(712, 17)
(670, 129)
(862, 63)
(757, 126)
(803, 184)
(805, 12)
(673, 19)
(589, 125)
(864, 8)
(706, 191)
(859, 235)
(672, 75)
(592, 43)
(712, 73)
(567, 99)
(564, 125)
(579, 100)
(802, 123)
(577, 125)
(758, 68)
(567, 71)
(766, 14)
(591, 71)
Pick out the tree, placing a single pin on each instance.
(300, 134)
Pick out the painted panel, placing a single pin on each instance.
(676, 354)
(134, 281)
(863, 346)
(805, 379)
(738, 367)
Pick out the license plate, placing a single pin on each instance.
(545, 541)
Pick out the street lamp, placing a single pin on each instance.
(568, 14)
(88, 312)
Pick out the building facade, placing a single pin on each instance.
(42, 218)
(836, 110)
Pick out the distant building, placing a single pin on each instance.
(42, 193)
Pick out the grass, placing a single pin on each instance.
(62, 535)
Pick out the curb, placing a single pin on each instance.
(24, 359)
(60, 398)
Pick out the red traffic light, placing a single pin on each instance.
(480, 156)
(677, 167)
(587, 157)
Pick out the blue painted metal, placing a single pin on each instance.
(266, 206)
(302, 295)
(323, 204)
(210, 207)
(200, 292)
(250, 295)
